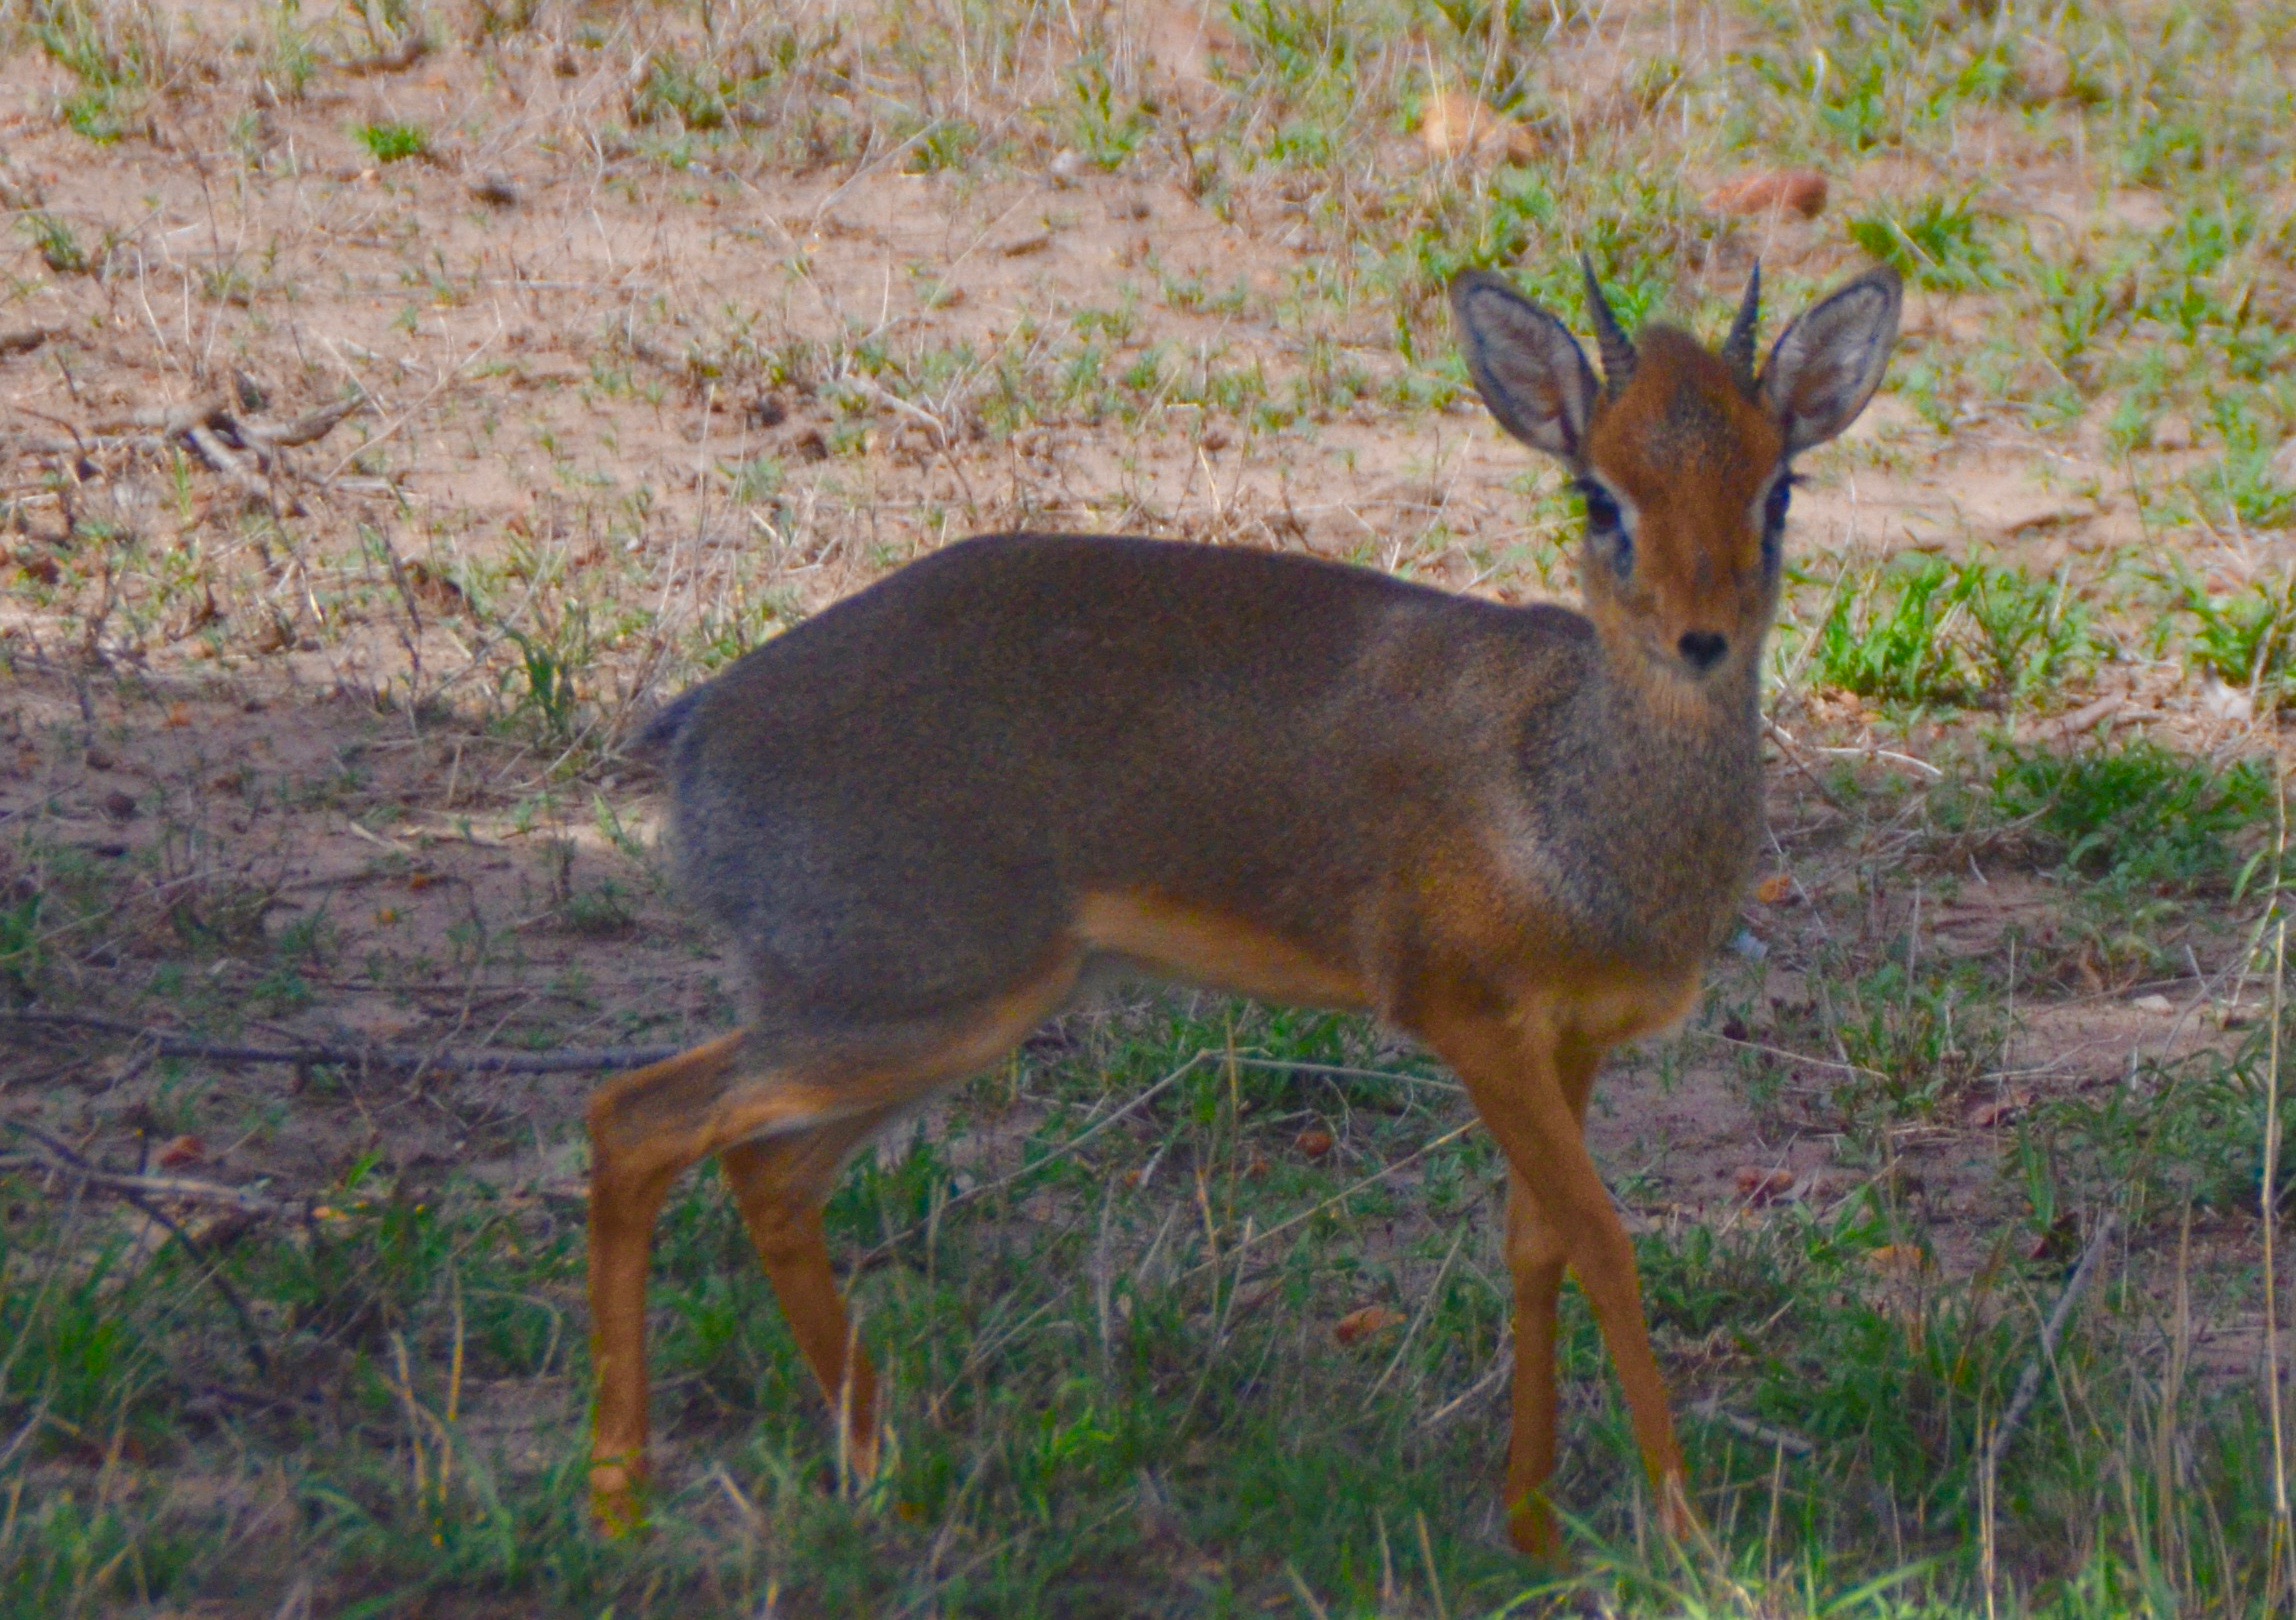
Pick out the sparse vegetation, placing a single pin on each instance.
(1967, 634)
(2140, 813)
(393, 142)
(353, 510)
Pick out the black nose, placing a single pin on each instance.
(1702, 649)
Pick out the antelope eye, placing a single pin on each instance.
(1774, 507)
(1606, 525)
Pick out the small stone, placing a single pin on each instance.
(119, 806)
(2044, 72)
(2158, 1005)
(1356, 1326)
(1800, 192)
(2224, 702)
(1759, 1186)
(100, 759)
(1902, 1261)
(1455, 126)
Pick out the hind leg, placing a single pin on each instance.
(781, 1186)
(644, 1133)
(821, 1096)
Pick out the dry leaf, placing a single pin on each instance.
(1761, 1186)
(2001, 1110)
(1801, 192)
(1356, 1326)
(2061, 1241)
(1188, 44)
(1456, 125)
(179, 1152)
(2043, 72)
(1898, 1260)
(1775, 890)
(1315, 1142)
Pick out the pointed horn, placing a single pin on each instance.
(1738, 347)
(1617, 352)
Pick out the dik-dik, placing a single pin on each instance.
(1515, 833)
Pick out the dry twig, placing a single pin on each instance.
(70, 1163)
(571, 1061)
(2029, 1382)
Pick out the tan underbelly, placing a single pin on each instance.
(1197, 946)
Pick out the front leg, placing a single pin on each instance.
(1522, 1077)
(1536, 1255)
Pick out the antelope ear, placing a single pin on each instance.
(1829, 362)
(1528, 368)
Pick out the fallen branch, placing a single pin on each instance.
(404, 1059)
(405, 54)
(1793, 1445)
(213, 451)
(1886, 756)
(308, 428)
(211, 429)
(2029, 1382)
(182, 1189)
(72, 1163)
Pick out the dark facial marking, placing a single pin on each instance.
(1606, 526)
(1781, 496)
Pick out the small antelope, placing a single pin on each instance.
(1516, 833)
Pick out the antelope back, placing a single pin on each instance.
(1684, 456)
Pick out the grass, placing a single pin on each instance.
(693, 319)
(2140, 814)
(1934, 632)
(393, 142)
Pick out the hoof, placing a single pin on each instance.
(615, 1488)
(1676, 1516)
(1531, 1527)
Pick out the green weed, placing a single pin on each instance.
(59, 248)
(2244, 639)
(1937, 243)
(393, 142)
(2138, 814)
(1927, 631)
(116, 53)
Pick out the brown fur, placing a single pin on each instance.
(1516, 833)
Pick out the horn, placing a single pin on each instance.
(1738, 347)
(1617, 352)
